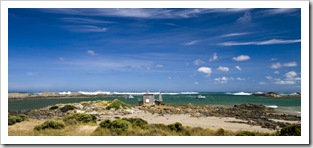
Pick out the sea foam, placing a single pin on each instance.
(239, 93)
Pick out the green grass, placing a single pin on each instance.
(80, 118)
(117, 104)
(50, 124)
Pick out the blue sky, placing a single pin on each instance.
(155, 49)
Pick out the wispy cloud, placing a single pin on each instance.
(279, 65)
(62, 59)
(241, 58)
(290, 79)
(223, 79)
(159, 66)
(276, 72)
(240, 79)
(205, 70)
(84, 20)
(191, 43)
(31, 74)
(276, 65)
(238, 68)
(91, 52)
(269, 77)
(280, 11)
(267, 42)
(214, 57)
(223, 69)
(290, 64)
(235, 34)
(246, 18)
(86, 28)
(198, 62)
(142, 13)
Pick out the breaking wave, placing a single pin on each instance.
(239, 93)
(131, 93)
(271, 106)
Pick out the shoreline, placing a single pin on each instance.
(248, 117)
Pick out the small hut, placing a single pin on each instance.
(148, 98)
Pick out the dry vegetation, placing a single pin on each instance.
(134, 128)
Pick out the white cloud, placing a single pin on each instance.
(291, 74)
(198, 62)
(31, 74)
(169, 77)
(273, 59)
(143, 13)
(206, 70)
(279, 11)
(238, 68)
(267, 42)
(246, 18)
(196, 83)
(86, 28)
(240, 79)
(159, 66)
(290, 78)
(235, 34)
(279, 65)
(81, 20)
(91, 52)
(223, 69)
(241, 58)
(61, 59)
(191, 43)
(290, 64)
(262, 83)
(282, 82)
(269, 77)
(276, 65)
(214, 57)
(276, 72)
(222, 79)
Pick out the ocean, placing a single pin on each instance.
(288, 105)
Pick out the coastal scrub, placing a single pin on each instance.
(117, 104)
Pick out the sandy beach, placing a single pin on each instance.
(203, 122)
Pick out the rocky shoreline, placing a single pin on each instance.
(251, 114)
(276, 95)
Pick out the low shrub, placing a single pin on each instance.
(50, 124)
(176, 127)
(14, 119)
(23, 116)
(119, 126)
(291, 130)
(67, 108)
(116, 104)
(53, 107)
(245, 133)
(105, 124)
(136, 121)
(80, 118)
(220, 132)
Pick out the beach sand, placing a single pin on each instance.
(204, 122)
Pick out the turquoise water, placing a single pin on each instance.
(217, 99)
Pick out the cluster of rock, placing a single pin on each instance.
(276, 95)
